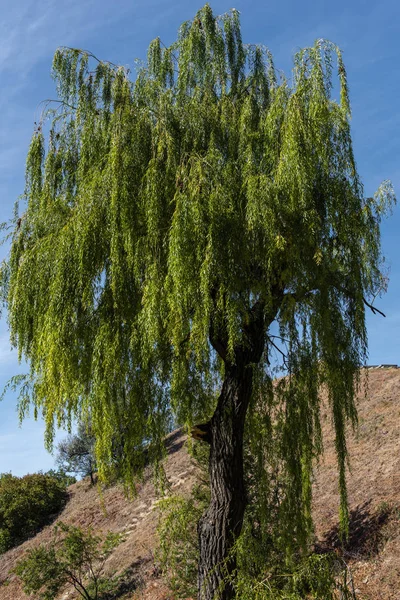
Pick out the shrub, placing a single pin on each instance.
(63, 477)
(178, 545)
(27, 504)
(74, 556)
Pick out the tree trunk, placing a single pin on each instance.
(222, 522)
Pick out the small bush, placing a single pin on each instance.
(263, 572)
(313, 577)
(178, 544)
(27, 504)
(74, 556)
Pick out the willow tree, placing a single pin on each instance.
(173, 222)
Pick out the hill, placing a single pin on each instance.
(373, 551)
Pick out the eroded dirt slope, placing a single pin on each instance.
(113, 511)
(373, 552)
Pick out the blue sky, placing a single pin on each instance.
(120, 31)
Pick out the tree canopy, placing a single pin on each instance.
(28, 503)
(75, 454)
(171, 214)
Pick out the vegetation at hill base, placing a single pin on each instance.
(28, 503)
(185, 235)
(74, 556)
(263, 571)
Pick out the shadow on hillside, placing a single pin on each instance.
(129, 581)
(367, 532)
(174, 441)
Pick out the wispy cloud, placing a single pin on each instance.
(27, 36)
(30, 33)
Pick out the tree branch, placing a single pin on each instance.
(284, 356)
(373, 308)
(303, 293)
(218, 344)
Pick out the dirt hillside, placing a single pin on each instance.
(111, 510)
(373, 551)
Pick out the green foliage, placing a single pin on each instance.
(27, 504)
(75, 454)
(160, 212)
(177, 532)
(263, 571)
(313, 577)
(6, 540)
(64, 479)
(74, 556)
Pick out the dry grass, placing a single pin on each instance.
(373, 550)
(112, 511)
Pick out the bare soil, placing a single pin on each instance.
(110, 509)
(373, 549)
(372, 552)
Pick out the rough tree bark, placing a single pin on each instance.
(222, 522)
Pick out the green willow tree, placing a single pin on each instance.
(173, 222)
